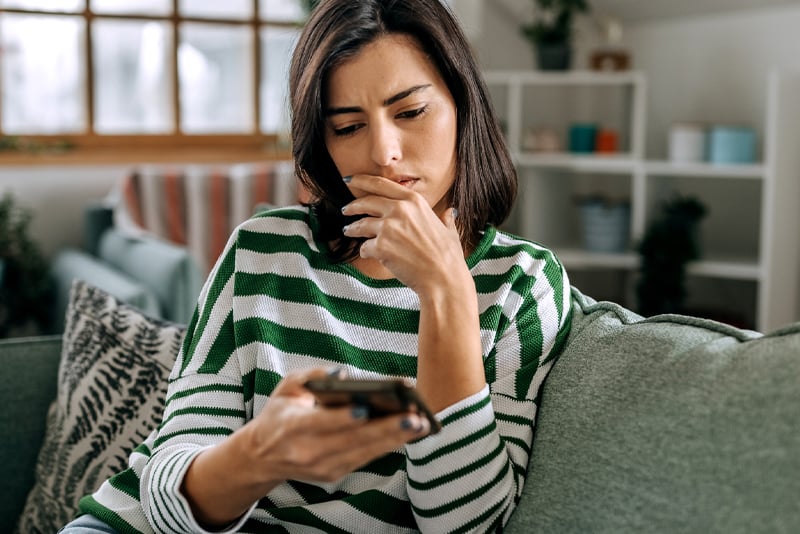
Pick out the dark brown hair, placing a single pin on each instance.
(486, 182)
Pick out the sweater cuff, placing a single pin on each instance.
(166, 507)
(459, 421)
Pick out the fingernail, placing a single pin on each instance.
(455, 213)
(359, 412)
(346, 179)
(344, 209)
(336, 372)
(408, 423)
(344, 228)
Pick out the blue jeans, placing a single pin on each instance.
(87, 524)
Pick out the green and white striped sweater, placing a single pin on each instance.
(274, 304)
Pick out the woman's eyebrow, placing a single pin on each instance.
(403, 94)
(388, 102)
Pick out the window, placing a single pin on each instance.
(175, 69)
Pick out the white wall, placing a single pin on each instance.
(713, 68)
(57, 196)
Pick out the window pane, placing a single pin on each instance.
(277, 45)
(133, 88)
(67, 6)
(43, 74)
(229, 9)
(283, 10)
(146, 7)
(215, 64)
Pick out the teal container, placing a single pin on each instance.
(731, 144)
(582, 138)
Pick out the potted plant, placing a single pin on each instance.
(551, 31)
(669, 243)
(25, 284)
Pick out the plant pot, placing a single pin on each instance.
(605, 226)
(554, 56)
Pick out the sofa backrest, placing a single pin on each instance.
(666, 424)
(28, 386)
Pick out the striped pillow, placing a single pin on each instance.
(199, 206)
(112, 381)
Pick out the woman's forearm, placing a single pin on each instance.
(450, 361)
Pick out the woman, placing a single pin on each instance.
(396, 269)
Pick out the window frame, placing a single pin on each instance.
(225, 146)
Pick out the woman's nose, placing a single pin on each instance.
(385, 145)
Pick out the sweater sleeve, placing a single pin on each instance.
(205, 403)
(470, 475)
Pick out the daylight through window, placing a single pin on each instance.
(174, 68)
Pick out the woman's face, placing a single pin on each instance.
(389, 113)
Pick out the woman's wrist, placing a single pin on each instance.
(224, 481)
(451, 286)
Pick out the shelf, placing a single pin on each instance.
(705, 170)
(618, 100)
(88, 157)
(611, 163)
(575, 258)
(728, 268)
(570, 77)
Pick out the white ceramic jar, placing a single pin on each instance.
(687, 142)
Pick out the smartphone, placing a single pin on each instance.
(381, 397)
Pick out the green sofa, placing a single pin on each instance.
(667, 424)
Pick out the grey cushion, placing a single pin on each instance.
(667, 424)
(167, 269)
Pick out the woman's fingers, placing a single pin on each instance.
(300, 440)
(330, 456)
(362, 185)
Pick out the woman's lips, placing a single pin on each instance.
(405, 181)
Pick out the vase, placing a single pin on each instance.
(554, 56)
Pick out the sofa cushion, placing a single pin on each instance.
(168, 270)
(666, 424)
(70, 265)
(112, 380)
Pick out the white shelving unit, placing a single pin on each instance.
(527, 99)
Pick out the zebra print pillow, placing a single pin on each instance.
(112, 380)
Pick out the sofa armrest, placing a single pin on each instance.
(98, 218)
(30, 369)
(73, 264)
(167, 269)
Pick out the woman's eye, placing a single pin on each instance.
(412, 113)
(347, 130)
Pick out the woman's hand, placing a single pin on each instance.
(424, 251)
(290, 439)
(421, 249)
